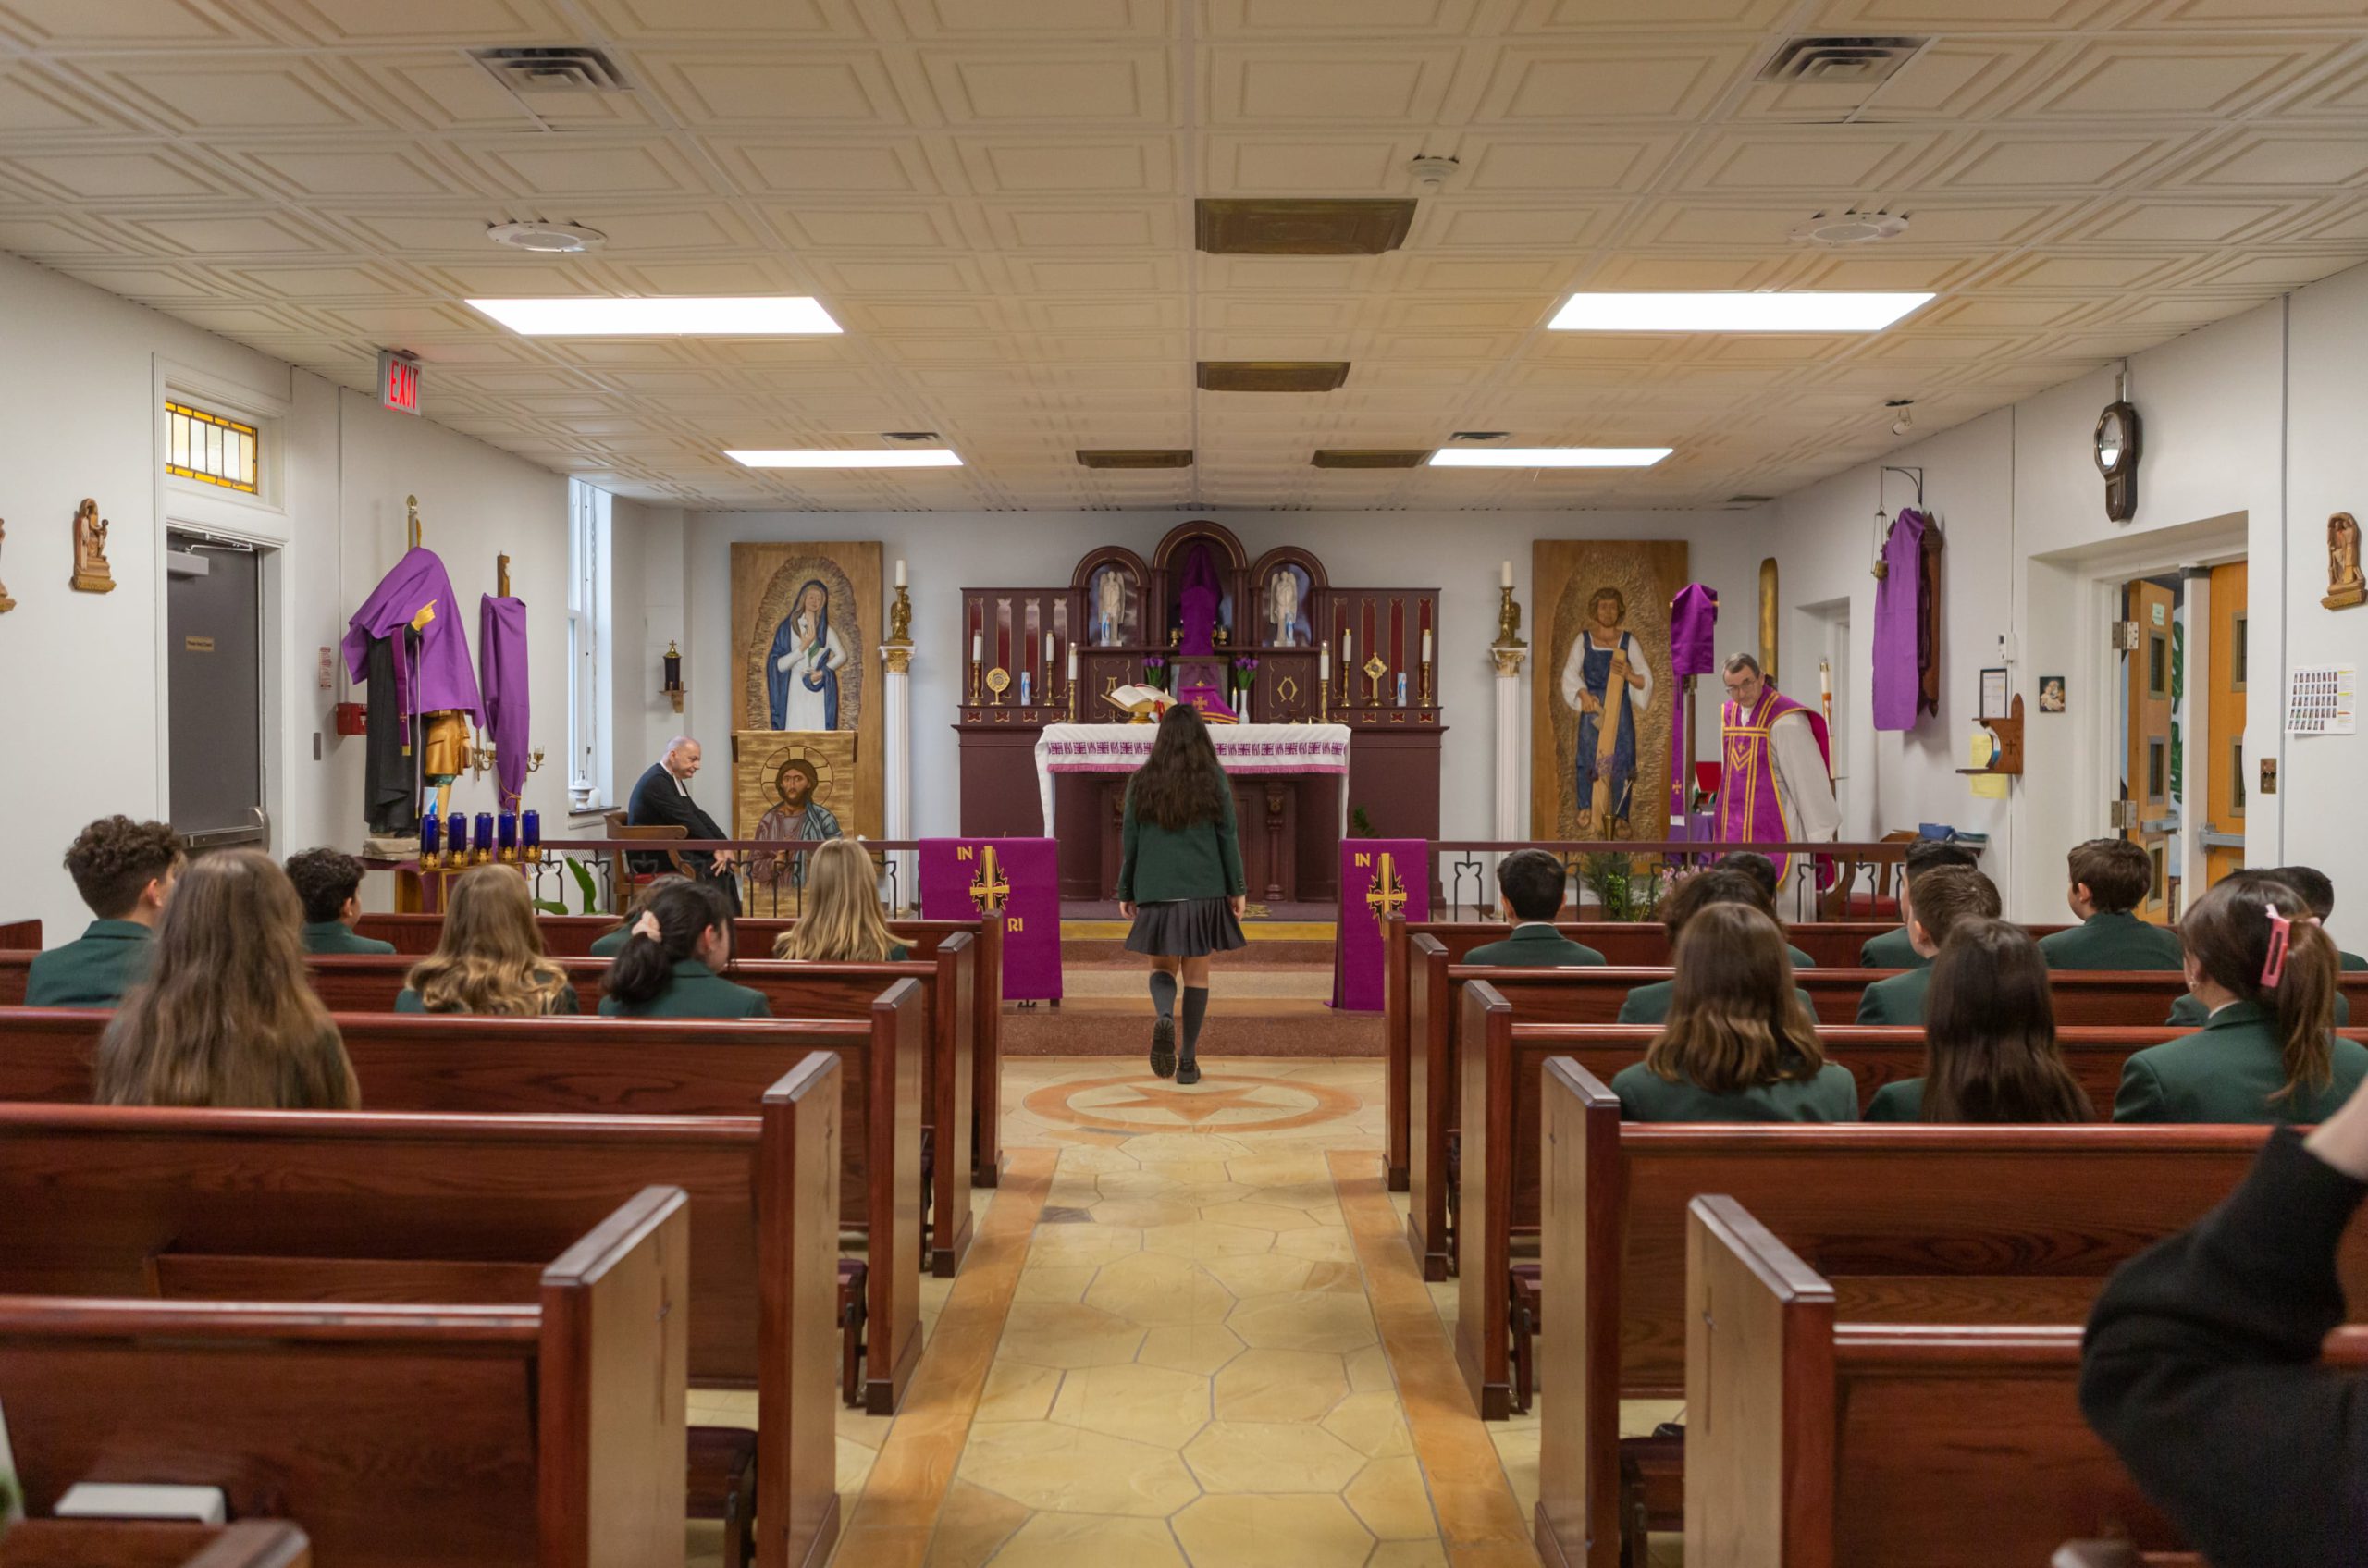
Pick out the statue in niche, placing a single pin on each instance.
(2346, 586)
(1287, 607)
(1200, 604)
(91, 573)
(1113, 608)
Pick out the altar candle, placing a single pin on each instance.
(505, 831)
(1825, 681)
(1348, 651)
(530, 834)
(1505, 573)
(1324, 664)
(978, 647)
(1048, 650)
(1072, 662)
(431, 836)
(456, 839)
(485, 835)
(1426, 647)
(900, 573)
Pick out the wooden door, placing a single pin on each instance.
(2148, 764)
(2224, 771)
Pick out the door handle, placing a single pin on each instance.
(262, 823)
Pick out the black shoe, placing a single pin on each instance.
(1163, 1046)
(1188, 1072)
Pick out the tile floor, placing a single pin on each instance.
(1189, 1336)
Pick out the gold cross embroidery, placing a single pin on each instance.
(1389, 895)
(989, 888)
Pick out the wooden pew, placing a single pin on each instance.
(1925, 1221)
(578, 1067)
(950, 1085)
(1816, 1436)
(403, 1432)
(20, 935)
(571, 936)
(147, 1543)
(167, 1199)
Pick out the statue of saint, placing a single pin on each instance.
(2345, 585)
(1606, 677)
(1285, 599)
(796, 820)
(91, 573)
(1109, 608)
(802, 670)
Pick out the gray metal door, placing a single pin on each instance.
(214, 630)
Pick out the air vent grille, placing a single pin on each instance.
(1749, 500)
(1135, 457)
(910, 436)
(1479, 435)
(1272, 375)
(1841, 62)
(1300, 226)
(567, 68)
(1371, 457)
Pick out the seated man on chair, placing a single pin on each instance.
(662, 799)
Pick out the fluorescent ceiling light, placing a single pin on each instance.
(1548, 457)
(776, 316)
(1811, 312)
(813, 457)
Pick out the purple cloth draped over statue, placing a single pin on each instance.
(1032, 913)
(501, 661)
(440, 678)
(1898, 608)
(1693, 630)
(1199, 601)
(1359, 958)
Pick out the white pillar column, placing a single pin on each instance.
(1510, 780)
(896, 709)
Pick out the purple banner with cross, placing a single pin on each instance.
(1357, 958)
(1028, 871)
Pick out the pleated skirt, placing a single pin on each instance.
(1185, 928)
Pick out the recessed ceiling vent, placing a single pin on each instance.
(1300, 226)
(1740, 501)
(1272, 375)
(1371, 457)
(1837, 230)
(1135, 457)
(568, 68)
(910, 436)
(1479, 435)
(1841, 62)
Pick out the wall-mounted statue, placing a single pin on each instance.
(91, 573)
(2346, 587)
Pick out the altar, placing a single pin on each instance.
(1335, 684)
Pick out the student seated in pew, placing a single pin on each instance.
(2189, 1012)
(1990, 1051)
(227, 1016)
(608, 944)
(668, 966)
(2202, 1362)
(490, 958)
(1761, 869)
(2265, 973)
(841, 922)
(2110, 878)
(1650, 1002)
(1936, 903)
(125, 872)
(1740, 1043)
(1529, 882)
(1896, 949)
(328, 884)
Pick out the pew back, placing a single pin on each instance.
(149, 1543)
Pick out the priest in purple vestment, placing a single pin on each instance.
(1778, 782)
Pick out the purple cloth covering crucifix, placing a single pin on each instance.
(440, 678)
(1898, 606)
(501, 658)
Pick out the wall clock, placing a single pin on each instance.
(2117, 452)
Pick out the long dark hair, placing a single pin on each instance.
(1180, 784)
(1734, 1021)
(2226, 936)
(684, 913)
(1990, 1051)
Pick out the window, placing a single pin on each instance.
(2240, 665)
(2158, 662)
(2156, 769)
(211, 447)
(2236, 777)
(587, 617)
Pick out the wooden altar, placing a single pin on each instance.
(1283, 630)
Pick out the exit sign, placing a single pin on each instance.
(399, 380)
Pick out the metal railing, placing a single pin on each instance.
(1628, 877)
(770, 874)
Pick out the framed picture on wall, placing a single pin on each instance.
(1993, 693)
(2051, 694)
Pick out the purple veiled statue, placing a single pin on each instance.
(1203, 593)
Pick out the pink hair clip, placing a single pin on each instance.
(648, 926)
(2281, 933)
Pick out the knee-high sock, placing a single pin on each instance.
(1163, 992)
(1196, 1007)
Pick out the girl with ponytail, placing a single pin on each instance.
(668, 966)
(2265, 973)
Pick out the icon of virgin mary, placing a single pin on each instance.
(802, 670)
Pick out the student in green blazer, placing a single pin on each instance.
(608, 944)
(1529, 884)
(668, 968)
(2110, 878)
(2318, 895)
(1650, 1002)
(1739, 1045)
(1936, 903)
(2267, 980)
(328, 881)
(1895, 949)
(490, 958)
(125, 871)
(1990, 1051)
(839, 919)
(1761, 869)
(1179, 878)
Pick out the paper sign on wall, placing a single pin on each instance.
(2319, 700)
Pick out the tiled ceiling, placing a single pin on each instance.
(994, 198)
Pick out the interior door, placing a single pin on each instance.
(2148, 774)
(214, 660)
(2224, 792)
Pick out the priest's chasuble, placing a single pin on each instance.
(1779, 779)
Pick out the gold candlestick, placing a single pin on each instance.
(1508, 620)
(975, 668)
(1425, 700)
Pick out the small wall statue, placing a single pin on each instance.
(7, 604)
(2346, 587)
(91, 573)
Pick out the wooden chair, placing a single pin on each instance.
(1836, 904)
(621, 875)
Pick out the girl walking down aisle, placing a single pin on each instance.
(1179, 878)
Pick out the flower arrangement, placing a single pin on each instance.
(1243, 675)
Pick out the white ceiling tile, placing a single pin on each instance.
(840, 89)
(1050, 85)
(1535, 83)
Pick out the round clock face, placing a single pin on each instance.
(2113, 441)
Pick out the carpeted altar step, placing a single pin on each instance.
(1272, 944)
(1238, 1027)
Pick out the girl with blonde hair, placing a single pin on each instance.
(842, 922)
(227, 1016)
(490, 957)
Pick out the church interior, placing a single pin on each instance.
(1182, 783)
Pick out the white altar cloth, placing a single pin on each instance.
(1241, 749)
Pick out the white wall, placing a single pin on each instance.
(2226, 471)
(949, 551)
(82, 700)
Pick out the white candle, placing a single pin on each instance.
(900, 573)
(1048, 650)
(1348, 651)
(1324, 664)
(977, 646)
(1426, 647)
(1072, 662)
(1505, 572)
